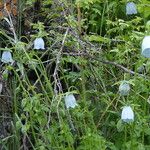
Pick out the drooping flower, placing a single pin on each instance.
(146, 47)
(127, 114)
(124, 88)
(7, 57)
(141, 69)
(39, 43)
(1, 87)
(148, 27)
(131, 8)
(70, 101)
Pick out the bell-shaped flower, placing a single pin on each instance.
(124, 88)
(1, 87)
(70, 101)
(131, 8)
(141, 69)
(7, 57)
(39, 43)
(146, 47)
(127, 114)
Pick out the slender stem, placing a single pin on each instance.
(125, 134)
(79, 17)
(11, 24)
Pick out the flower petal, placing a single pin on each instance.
(127, 114)
(124, 88)
(131, 8)
(146, 47)
(7, 57)
(39, 44)
(70, 101)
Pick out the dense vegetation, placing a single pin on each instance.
(90, 48)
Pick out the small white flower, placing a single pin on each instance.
(70, 101)
(146, 47)
(1, 87)
(39, 43)
(141, 69)
(124, 88)
(127, 114)
(131, 8)
(7, 57)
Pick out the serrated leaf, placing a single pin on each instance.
(120, 126)
(96, 38)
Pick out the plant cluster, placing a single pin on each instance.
(75, 76)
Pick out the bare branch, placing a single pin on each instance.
(55, 75)
(106, 62)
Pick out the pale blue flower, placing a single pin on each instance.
(7, 57)
(70, 101)
(131, 8)
(124, 88)
(127, 114)
(1, 87)
(146, 47)
(141, 69)
(39, 43)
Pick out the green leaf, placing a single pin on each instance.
(120, 126)
(97, 38)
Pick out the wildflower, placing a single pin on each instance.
(7, 57)
(124, 88)
(127, 114)
(1, 87)
(70, 101)
(146, 47)
(39, 43)
(131, 8)
(148, 26)
(141, 69)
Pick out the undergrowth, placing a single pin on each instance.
(91, 46)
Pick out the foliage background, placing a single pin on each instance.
(91, 46)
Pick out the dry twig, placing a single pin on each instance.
(55, 75)
(106, 62)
